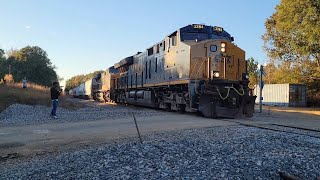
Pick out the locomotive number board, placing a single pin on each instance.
(198, 26)
(218, 29)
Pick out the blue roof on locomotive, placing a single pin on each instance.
(209, 32)
(212, 32)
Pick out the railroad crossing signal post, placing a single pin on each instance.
(261, 84)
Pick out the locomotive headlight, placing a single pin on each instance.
(223, 49)
(216, 74)
(247, 76)
(223, 45)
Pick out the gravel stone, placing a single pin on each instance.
(234, 152)
(20, 115)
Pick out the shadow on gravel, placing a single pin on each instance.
(9, 156)
(11, 145)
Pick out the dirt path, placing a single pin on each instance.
(32, 140)
(46, 138)
(307, 118)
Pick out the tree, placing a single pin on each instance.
(253, 72)
(1, 53)
(3, 67)
(292, 44)
(31, 62)
(293, 31)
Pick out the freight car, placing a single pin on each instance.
(195, 69)
(70, 93)
(80, 90)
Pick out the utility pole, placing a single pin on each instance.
(261, 84)
(9, 69)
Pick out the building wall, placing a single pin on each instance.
(297, 95)
(293, 95)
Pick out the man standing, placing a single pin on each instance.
(24, 83)
(55, 92)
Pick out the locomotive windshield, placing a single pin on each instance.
(200, 32)
(194, 36)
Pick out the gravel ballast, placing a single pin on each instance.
(234, 152)
(20, 115)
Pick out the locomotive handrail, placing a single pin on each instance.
(241, 94)
(228, 92)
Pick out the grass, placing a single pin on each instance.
(33, 95)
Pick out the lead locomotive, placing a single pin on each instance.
(195, 69)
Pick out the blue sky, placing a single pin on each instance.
(83, 36)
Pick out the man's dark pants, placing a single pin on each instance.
(55, 103)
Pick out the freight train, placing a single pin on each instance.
(197, 68)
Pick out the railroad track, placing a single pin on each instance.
(275, 127)
(268, 126)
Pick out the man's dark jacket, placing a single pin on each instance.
(54, 93)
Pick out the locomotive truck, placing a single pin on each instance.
(197, 68)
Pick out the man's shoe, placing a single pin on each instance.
(55, 117)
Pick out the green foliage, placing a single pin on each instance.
(31, 62)
(1, 54)
(292, 43)
(77, 80)
(253, 72)
(293, 31)
(2, 66)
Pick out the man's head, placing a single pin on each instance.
(55, 84)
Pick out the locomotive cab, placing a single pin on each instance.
(218, 72)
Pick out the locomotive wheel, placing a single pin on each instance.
(168, 108)
(99, 96)
(94, 97)
(182, 108)
(207, 106)
(106, 97)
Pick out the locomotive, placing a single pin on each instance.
(197, 68)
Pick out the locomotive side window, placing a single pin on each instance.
(162, 64)
(158, 48)
(142, 79)
(174, 40)
(136, 79)
(150, 51)
(149, 69)
(146, 69)
(127, 80)
(156, 69)
(164, 45)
